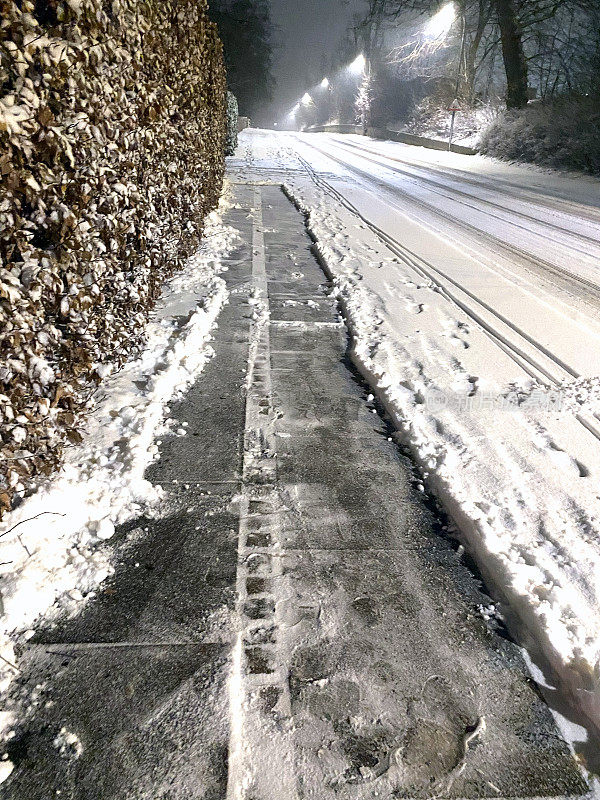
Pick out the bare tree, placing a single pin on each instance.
(556, 42)
(515, 64)
(481, 18)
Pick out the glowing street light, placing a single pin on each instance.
(306, 100)
(357, 67)
(325, 83)
(439, 25)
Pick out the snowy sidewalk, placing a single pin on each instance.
(295, 624)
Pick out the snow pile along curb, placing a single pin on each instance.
(518, 499)
(48, 546)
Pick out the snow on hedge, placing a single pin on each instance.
(561, 133)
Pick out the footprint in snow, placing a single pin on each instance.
(414, 307)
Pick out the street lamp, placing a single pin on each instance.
(357, 67)
(463, 43)
(361, 66)
(435, 32)
(439, 25)
(306, 99)
(324, 83)
(291, 116)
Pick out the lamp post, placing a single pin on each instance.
(463, 43)
(361, 66)
(329, 97)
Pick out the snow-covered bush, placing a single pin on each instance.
(112, 133)
(232, 124)
(560, 133)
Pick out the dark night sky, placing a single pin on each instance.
(309, 31)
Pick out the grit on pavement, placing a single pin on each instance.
(296, 623)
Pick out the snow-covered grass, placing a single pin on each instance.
(49, 552)
(561, 133)
(432, 119)
(512, 461)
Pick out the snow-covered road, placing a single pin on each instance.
(530, 255)
(473, 292)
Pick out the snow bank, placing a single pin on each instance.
(48, 546)
(485, 440)
(431, 118)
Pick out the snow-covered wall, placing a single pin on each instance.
(112, 127)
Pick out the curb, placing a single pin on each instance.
(394, 136)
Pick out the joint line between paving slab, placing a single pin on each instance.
(257, 663)
(306, 324)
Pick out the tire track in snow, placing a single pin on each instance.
(449, 192)
(534, 263)
(543, 365)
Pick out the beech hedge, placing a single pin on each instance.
(112, 137)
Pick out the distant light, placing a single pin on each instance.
(325, 83)
(306, 100)
(439, 25)
(357, 67)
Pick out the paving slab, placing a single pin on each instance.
(149, 722)
(174, 582)
(374, 699)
